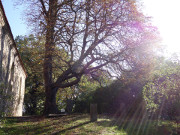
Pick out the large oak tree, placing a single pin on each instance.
(92, 34)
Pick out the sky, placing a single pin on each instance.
(165, 15)
(15, 18)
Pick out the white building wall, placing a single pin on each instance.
(12, 74)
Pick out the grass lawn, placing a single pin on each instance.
(79, 124)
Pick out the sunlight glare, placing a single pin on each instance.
(166, 17)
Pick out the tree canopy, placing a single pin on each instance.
(85, 37)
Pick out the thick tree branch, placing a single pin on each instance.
(67, 84)
(44, 8)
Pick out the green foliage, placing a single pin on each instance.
(161, 93)
(81, 94)
(124, 95)
(31, 51)
(1, 88)
(119, 97)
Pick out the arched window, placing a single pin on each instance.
(20, 84)
(12, 72)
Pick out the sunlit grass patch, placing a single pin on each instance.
(81, 125)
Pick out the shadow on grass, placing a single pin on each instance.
(22, 130)
(40, 125)
(141, 126)
(70, 128)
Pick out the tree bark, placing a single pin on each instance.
(50, 102)
(50, 92)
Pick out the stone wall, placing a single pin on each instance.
(12, 73)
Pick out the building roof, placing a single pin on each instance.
(11, 36)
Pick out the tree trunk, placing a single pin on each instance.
(50, 102)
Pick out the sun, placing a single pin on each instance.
(166, 17)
